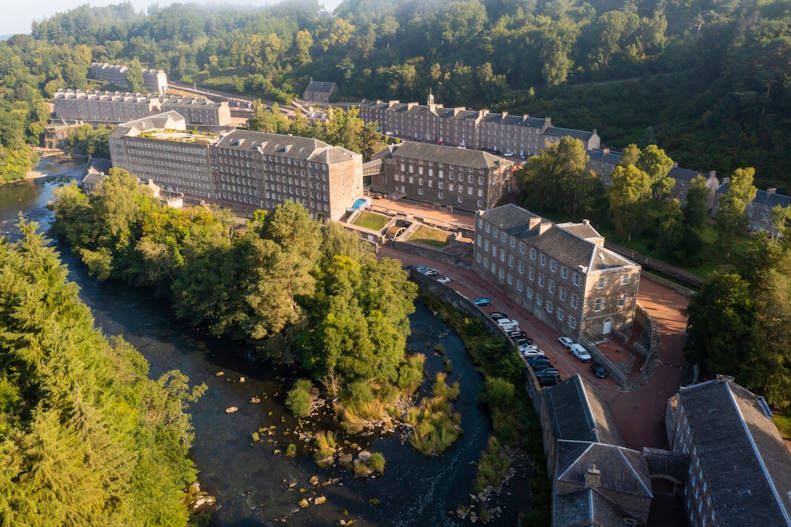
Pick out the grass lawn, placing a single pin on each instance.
(783, 423)
(430, 236)
(371, 221)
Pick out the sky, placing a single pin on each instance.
(17, 15)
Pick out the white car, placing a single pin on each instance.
(443, 280)
(527, 347)
(507, 322)
(533, 353)
(566, 341)
(422, 269)
(580, 352)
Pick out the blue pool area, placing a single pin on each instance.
(362, 202)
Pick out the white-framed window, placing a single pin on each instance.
(576, 278)
(624, 279)
(542, 260)
(564, 272)
(574, 301)
(440, 194)
(532, 253)
(529, 292)
(519, 285)
(495, 232)
(521, 267)
(420, 181)
(572, 322)
(531, 273)
(420, 192)
(553, 265)
(551, 287)
(461, 199)
(502, 255)
(621, 300)
(512, 243)
(522, 247)
(560, 315)
(549, 306)
(540, 279)
(601, 282)
(562, 294)
(598, 304)
(539, 300)
(494, 250)
(510, 260)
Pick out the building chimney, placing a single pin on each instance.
(770, 191)
(593, 478)
(505, 114)
(605, 150)
(586, 221)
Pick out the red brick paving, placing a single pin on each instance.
(640, 413)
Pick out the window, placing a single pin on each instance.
(494, 250)
(624, 279)
(532, 253)
(601, 282)
(509, 279)
(564, 272)
(562, 294)
(501, 274)
(480, 222)
(572, 323)
(621, 300)
(553, 265)
(542, 260)
(549, 306)
(502, 255)
(503, 236)
(598, 304)
(512, 243)
(495, 232)
(522, 247)
(576, 279)
(539, 300)
(529, 292)
(420, 192)
(574, 301)
(478, 257)
(551, 287)
(510, 261)
(540, 279)
(531, 273)
(519, 285)
(478, 241)
(521, 267)
(461, 199)
(560, 315)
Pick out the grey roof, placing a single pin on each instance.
(577, 412)
(585, 508)
(622, 469)
(762, 197)
(554, 131)
(612, 157)
(152, 122)
(683, 174)
(745, 463)
(296, 147)
(571, 243)
(443, 154)
(320, 87)
(98, 164)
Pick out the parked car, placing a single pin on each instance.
(548, 381)
(519, 333)
(566, 341)
(443, 280)
(599, 370)
(520, 340)
(580, 352)
(508, 153)
(547, 372)
(537, 360)
(482, 302)
(506, 322)
(422, 269)
(432, 274)
(496, 315)
(540, 366)
(528, 353)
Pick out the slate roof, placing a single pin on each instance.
(577, 412)
(554, 131)
(683, 174)
(763, 197)
(443, 154)
(569, 243)
(745, 463)
(152, 122)
(585, 508)
(612, 157)
(98, 164)
(296, 147)
(320, 87)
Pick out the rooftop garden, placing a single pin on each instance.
(430, 236)
(371, 221)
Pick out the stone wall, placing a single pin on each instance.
(429, 253)
(652, 349)
(653, 264)
(617, 375)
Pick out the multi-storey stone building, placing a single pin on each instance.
(759, 210)
(120, 107)
(432, 123)
(198, 110)
(161, 149)
(154, 81)
(246, 170)
(263, 170)
(561, 273)
(739, 467)
(103, 107)
(443, 175)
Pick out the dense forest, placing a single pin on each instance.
(299, 292)
(86, 438)
(709, 81)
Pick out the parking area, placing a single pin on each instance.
(473, 286)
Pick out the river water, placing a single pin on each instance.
(251, 482)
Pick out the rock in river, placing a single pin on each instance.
(231, 410)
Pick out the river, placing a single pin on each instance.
(250, 481)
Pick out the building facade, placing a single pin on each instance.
(160, 148)
(319, 92)
(759, 211)
(121, 107)
(263, 170)
(442, 175)
(499, 132)
(739, 467)
(241, 169)
(561, 273)
(154, 81)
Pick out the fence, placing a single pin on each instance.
(685, 277)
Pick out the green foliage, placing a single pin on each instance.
(134, 76)
(300, 397)
(435, 427)
(15, 163)
(731, 216)
(326, 446)
(300, 292)
(738, 323)
(492, 467)
(85, 436)
(377, 462)
(86, 141)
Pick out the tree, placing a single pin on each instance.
(134, 76)
(630, 190)
(731, 217)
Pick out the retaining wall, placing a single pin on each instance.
(685, 277)
(615, 372)
(432, 254)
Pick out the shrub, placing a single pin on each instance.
(410, 373)
(326, 446)
(377, 462)
(291, 450)
(497, 392)
(492, 467)
(300, 398)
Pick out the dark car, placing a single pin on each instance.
(547, 372)
(541, 366)
(536, 360)
(599, 370)
(548, 381)
(520, 340)
(495, 315)
(432, 274)
(517, 333)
